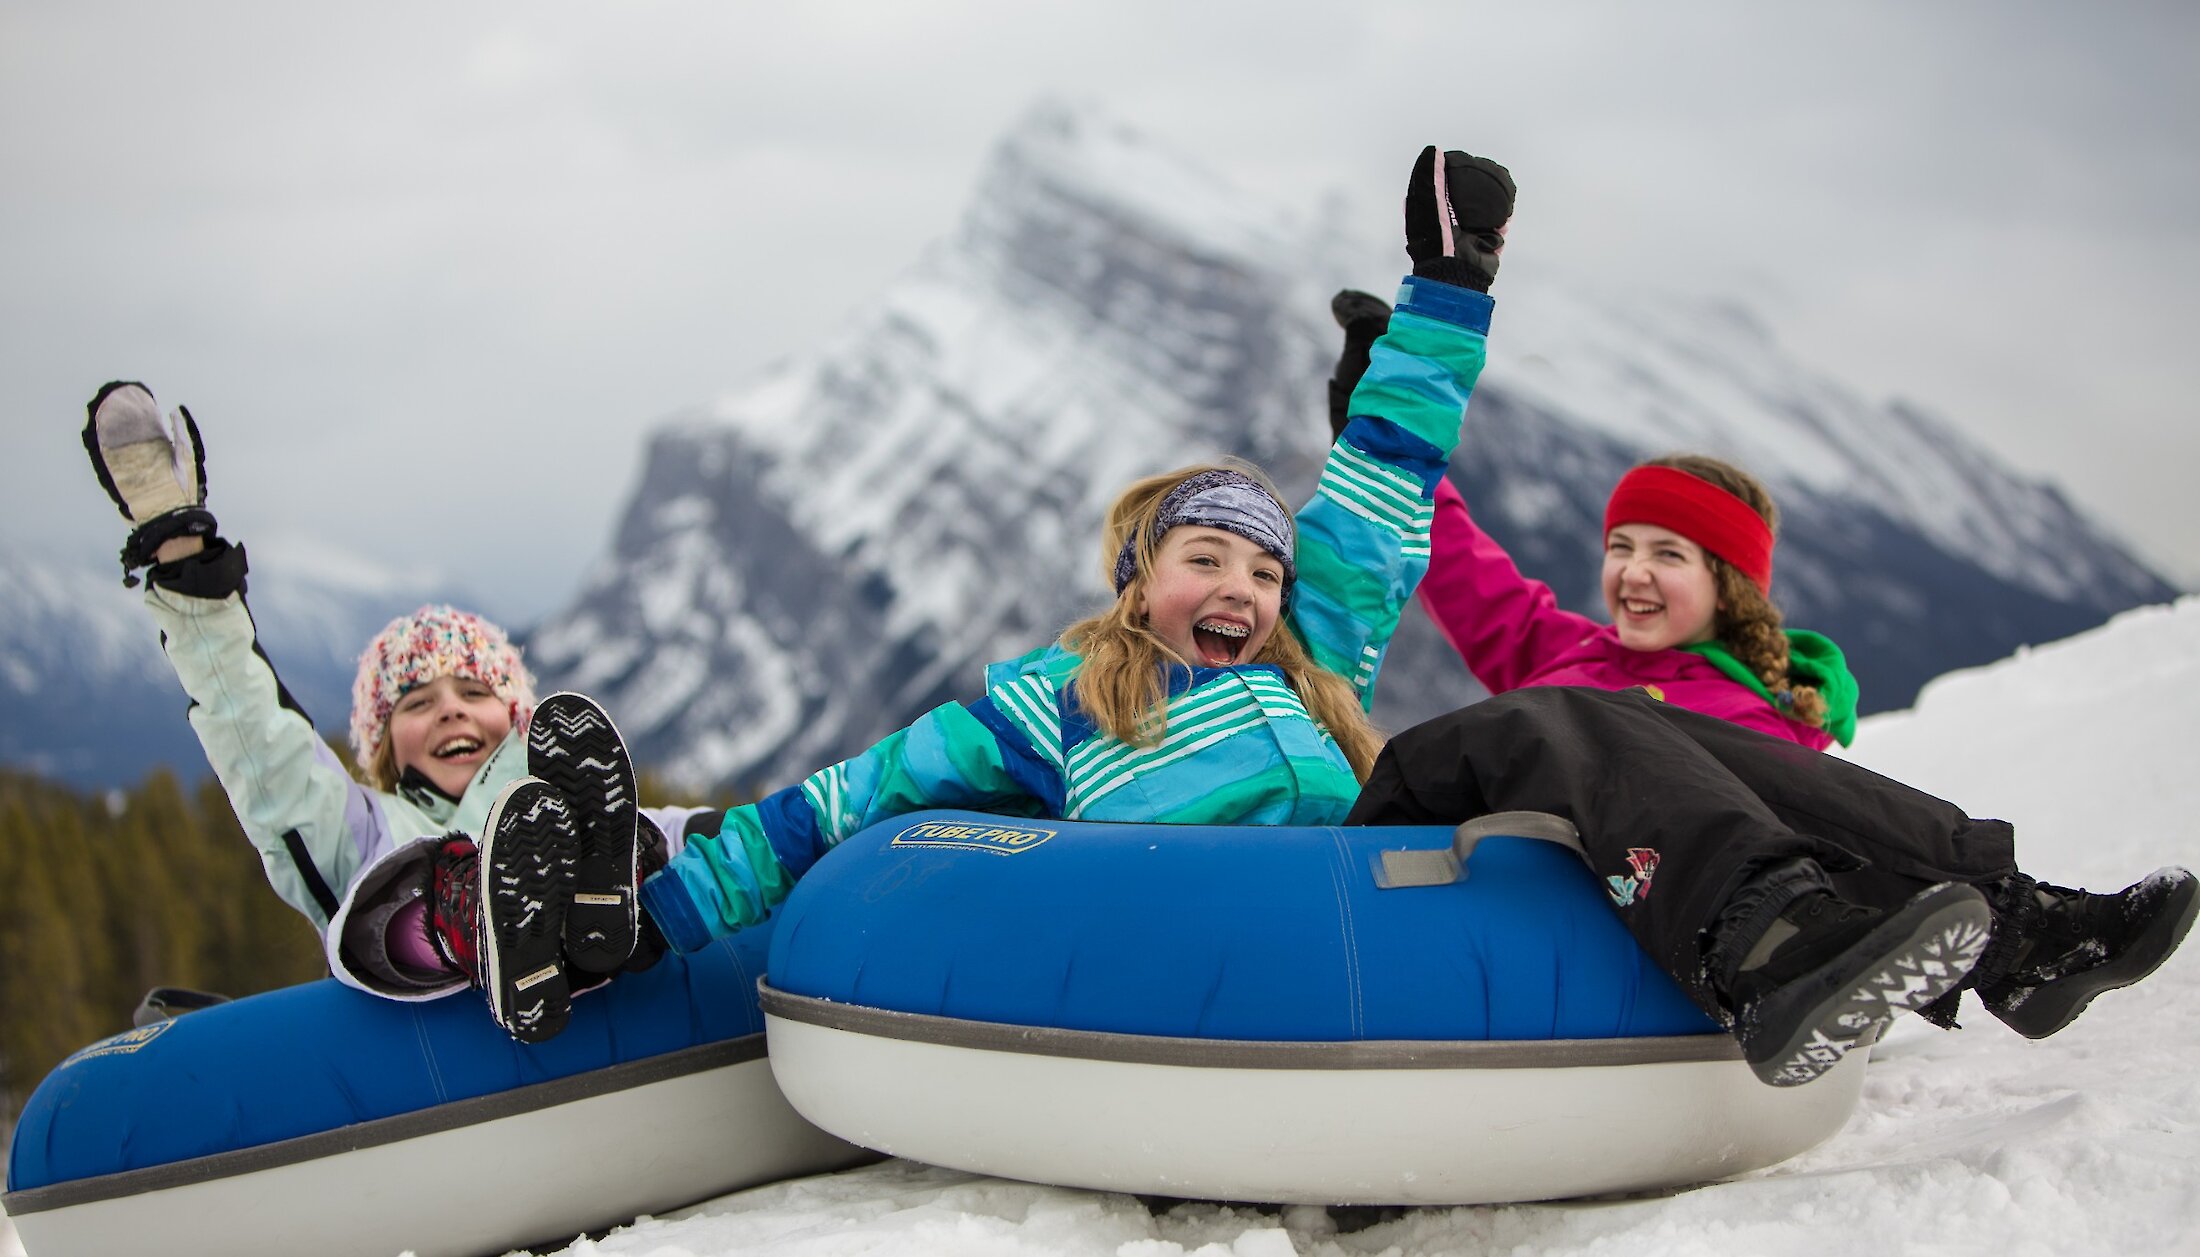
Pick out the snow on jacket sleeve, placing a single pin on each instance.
(973, 756)
(1505, 626)
(1364, 538)
(314, 826)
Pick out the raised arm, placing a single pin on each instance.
(313, 825)
(1364, 538)
(1504, 625)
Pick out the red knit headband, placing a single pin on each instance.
(1699, 510)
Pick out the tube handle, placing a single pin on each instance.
(1442, 866)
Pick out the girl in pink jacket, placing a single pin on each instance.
(1798, 898)
(1693, 621)
(1687, 580)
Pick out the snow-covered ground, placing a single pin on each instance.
(1972, 1142)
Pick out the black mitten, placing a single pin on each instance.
(1364, 318)
(1456, 211)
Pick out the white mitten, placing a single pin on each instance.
(155, 471)
(148, 467)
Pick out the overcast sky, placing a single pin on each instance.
(425, 273)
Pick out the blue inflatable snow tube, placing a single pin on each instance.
(1268, 933)
(321, 1057)
(1217, 932)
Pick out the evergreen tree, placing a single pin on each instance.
(153, 909)
(49, 974)
(262, 942)
(103, 898)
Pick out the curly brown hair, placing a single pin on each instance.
(1748, 623)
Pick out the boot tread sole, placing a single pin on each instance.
(526, 873)
(1917, 954)
(573, 745)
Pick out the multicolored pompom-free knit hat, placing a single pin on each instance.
(436, 641)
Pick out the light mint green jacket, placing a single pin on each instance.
(315, 827)
(329, 844)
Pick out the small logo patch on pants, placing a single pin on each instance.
(1636, 885)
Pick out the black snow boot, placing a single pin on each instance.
(572, 745)
(498, 914)
(2055, 948)
(1808, 975)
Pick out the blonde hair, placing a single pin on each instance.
(1748, 623)
(381, 768)
(1121, 677)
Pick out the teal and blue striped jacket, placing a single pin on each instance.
(1240, 746)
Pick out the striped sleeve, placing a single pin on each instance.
(1029, 705)
(953, 756)
(1364, 538)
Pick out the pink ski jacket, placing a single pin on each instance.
(1512, 633)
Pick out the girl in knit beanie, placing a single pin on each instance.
(436, 692)
(440, 709)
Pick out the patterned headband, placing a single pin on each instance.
(1225, 499)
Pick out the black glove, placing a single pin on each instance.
(1455, 217)
(653, 853)
(1364, 318)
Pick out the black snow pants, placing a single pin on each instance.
(1676, 809)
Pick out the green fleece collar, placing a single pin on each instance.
(1813, 660)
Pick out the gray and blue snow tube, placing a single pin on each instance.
(1314, 1015)
(320, 1119)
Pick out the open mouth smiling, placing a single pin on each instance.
(1219, 641)
(463, 744)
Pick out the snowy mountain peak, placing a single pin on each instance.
(1665, 373)
(814, 558)
(824, 550)
(1063, 153)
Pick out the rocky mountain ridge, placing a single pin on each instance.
(812, 559)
